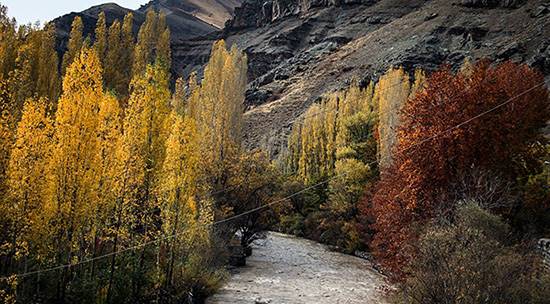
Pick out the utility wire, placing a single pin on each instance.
(26, 274)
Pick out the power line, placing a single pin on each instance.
(26, 274)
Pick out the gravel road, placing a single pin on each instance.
(290, 270)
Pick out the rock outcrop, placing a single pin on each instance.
(254, 13)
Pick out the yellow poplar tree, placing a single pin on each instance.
(74, 169)
(8, 42)
(109, 131)
(142, 149)
(48, 82)
(314, 143)
(164, 52)
(113, 75)
(178, 188)
(146, 43)
(100, 44)
(392, 92)
(75, 44)
(217, 105)
(26, 181)
(127, 54)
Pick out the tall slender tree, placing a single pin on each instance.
(100, 44)
(28, 161)
(48, 82)
(74, 169)
(217, 105)
(76, 41)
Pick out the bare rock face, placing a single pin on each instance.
(254, 13)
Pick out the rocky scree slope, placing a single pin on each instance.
(300, 49)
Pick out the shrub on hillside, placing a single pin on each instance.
(470, 261)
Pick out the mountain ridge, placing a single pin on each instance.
(186, 18)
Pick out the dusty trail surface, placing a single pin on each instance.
(290, 270)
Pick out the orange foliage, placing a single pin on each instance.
(420, 180)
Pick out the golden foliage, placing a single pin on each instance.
(217, 105)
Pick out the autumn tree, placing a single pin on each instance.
(217, 105)
(27, 55)
(119, 56)
(125, 62)
(355, 167)
(336, 140)
(178, 187)
(76, 41)
(442, 139)
(253, 183)
(48, 82)
(153, 43)
(109, 131)
(9, 42)
(100, 44)
(26, 184)
(114, 78)
(74, 167)
(140, 156)
(458, 259)
(392, 91)
(315, 141)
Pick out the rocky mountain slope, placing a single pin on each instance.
(214, 12)
(186, 18)
(299, 50)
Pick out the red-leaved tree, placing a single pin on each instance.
(485, 119)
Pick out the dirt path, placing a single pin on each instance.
(290, 270)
